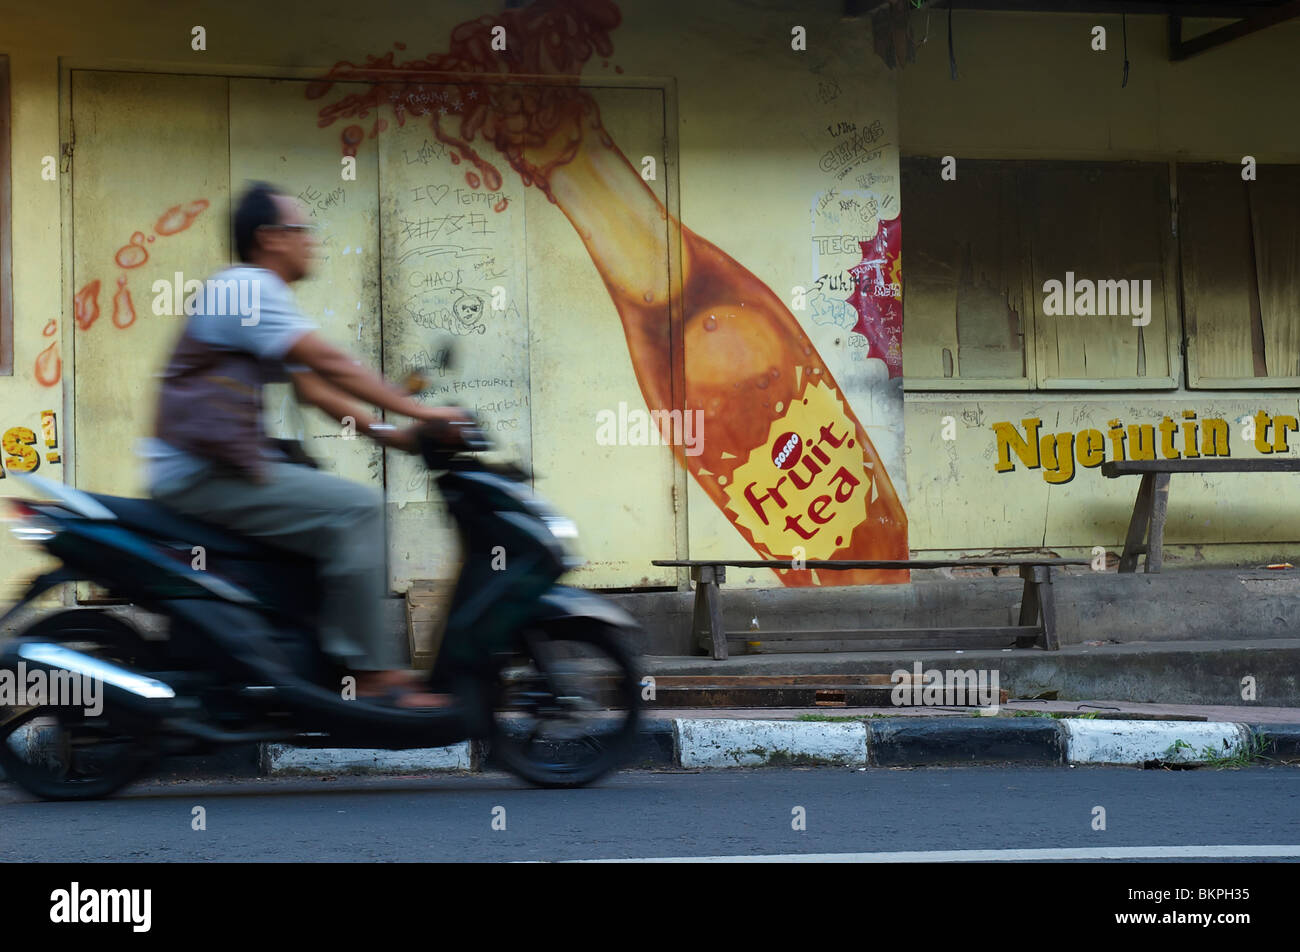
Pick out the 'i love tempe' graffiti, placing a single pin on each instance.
(85, 304)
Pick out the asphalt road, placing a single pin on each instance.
(673, 814)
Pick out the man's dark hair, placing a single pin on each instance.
(256, 208)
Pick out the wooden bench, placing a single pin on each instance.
(1037, 608)
(1146, 529)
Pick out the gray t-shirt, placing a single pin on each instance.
(241, 308)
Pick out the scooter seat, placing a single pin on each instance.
(155, 519)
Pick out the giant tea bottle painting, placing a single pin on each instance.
(783, 457)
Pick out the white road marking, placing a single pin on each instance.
(986, 856)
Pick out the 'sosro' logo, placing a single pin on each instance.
(787, 450)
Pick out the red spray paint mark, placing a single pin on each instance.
(179, 217)
(536, 127)
(123, 309)
(50, 327)
(86, 305)
(472, 180)
(49, 366)
(352, 137)
(878, 295)
(501, 205)
(134, 254)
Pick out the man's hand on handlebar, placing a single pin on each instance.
(404, 438)
(441, 422)
(445, 415)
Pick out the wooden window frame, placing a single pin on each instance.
(1025, 383)
(1195, 379)
(6, 243)
(1037, 339)
(1047, 382)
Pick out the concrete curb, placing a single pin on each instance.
(1140, 742)
(696, 743)
(919, 742)
(1278, 740)
(716, 742)
(286, 760)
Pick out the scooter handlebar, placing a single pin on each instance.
(440, 440)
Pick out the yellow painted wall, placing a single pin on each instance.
(747, 121)
(1031, 87)
(742, 131)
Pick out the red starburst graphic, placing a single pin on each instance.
(878, 295)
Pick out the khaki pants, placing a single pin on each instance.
(336, 521)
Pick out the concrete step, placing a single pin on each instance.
(1243, 673)
(1185, 604)
(804, 691)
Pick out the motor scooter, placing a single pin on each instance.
(544, 676)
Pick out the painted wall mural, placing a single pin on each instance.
(784, 456)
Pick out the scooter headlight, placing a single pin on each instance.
(28, 525)
(565, 532)
(562, 527)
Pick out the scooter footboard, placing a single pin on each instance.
(240, 642)
(563, 602)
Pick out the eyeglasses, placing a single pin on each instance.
(308, 229)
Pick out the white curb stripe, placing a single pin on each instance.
(725, 742)
(987, 856)
(282, 758)
(1135, 742)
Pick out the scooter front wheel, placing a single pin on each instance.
(568, 705)
(55, 754)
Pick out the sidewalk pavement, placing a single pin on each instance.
(1103, 710)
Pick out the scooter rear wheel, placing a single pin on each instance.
(568, 707)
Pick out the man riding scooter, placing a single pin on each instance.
(212, 460)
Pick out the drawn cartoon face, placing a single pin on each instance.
(469, 312)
